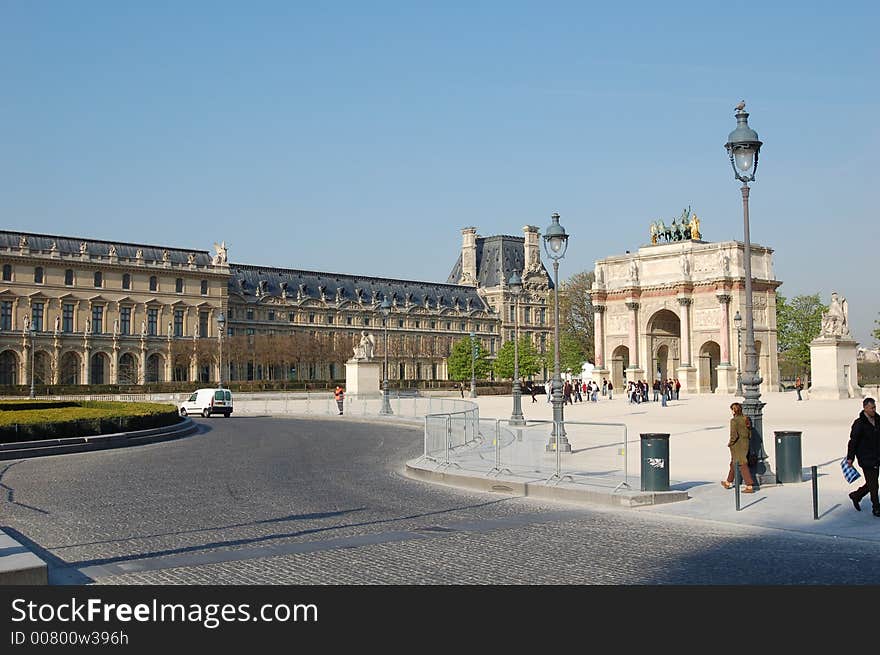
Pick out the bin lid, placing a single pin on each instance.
(787, 433)
(654, 435)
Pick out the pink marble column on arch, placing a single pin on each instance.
(633, 307)
(685, 324)
(724, 299)
(599, 334)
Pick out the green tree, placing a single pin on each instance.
(571, 355)
(798, 322)
(876, 332)
(529, 360)
(576, 311)
(459, 362)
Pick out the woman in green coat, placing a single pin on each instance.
(740, 431)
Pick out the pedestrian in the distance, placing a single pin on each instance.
(461, 388)
(798, 386)
(740, 432)
(864, 445)
(610, 389)
(533, 390)
(339, 394)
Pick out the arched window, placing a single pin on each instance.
(38, 275)
(126, 281)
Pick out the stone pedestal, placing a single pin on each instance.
(726, 379)
(687, 375)
(833, 368)
(636, 374)
(363, 377)
(600, 374)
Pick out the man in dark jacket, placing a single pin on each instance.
(864, 444)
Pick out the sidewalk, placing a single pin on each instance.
(698, 460)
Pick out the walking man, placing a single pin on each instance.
(798, 385)
(864, 445)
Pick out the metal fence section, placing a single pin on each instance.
(525, 451)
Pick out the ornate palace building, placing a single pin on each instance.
(668, 311)
(84, 311)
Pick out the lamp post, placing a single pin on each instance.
(473, 337)
(32, 331)
(515, 284)
(742, 148)
(221, 325)
(737, 321)
(385, 311)
(555, 244)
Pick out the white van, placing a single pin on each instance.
(207, 402)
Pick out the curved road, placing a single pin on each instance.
(260, 500)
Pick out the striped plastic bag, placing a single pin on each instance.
(849, 472)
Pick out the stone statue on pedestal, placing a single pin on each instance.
(835, 322)
(366, 347)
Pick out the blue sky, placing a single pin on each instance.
(360, 137)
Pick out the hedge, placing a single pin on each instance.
(87, 418)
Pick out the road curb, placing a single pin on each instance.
(24, 449)
(592, 495)
(19, 566)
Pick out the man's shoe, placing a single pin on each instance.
(876, 512)
(855, 502)
(726, 484)
(748, 489)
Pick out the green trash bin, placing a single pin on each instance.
(788, 456)
(655, 461)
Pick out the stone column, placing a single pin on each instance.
(724, 300)
(114, 364)
(599, 334)
(633, 307)
(56, 369)
(726, 372)
(142, 375)
(687, 373)
(634, 371)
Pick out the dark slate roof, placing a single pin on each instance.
(247, 280)
(70, 245)
(497, 256)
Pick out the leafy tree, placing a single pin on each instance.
(571, 355)
(529, 360)
(459, 362)
(798, 322)
(876, 332)
(576, 311)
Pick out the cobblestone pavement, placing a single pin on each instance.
(288, 501)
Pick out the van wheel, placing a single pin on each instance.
(182, 411)
(227, 414)
(206, 412)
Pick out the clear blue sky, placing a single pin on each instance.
(359, 137)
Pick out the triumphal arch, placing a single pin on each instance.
(668, 311)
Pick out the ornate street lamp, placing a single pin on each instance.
(737, 321)
(385, 311)
(221, 326)
(473, 337)
(742, 148)
(555, 244)
(515, 284)
(33, 331)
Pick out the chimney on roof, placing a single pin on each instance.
(468, 256)
(531, 251)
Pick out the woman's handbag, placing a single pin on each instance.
(849, 472)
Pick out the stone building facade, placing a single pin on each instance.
(667, 311)
(120, 313)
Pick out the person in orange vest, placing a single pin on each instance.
(339, 394)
